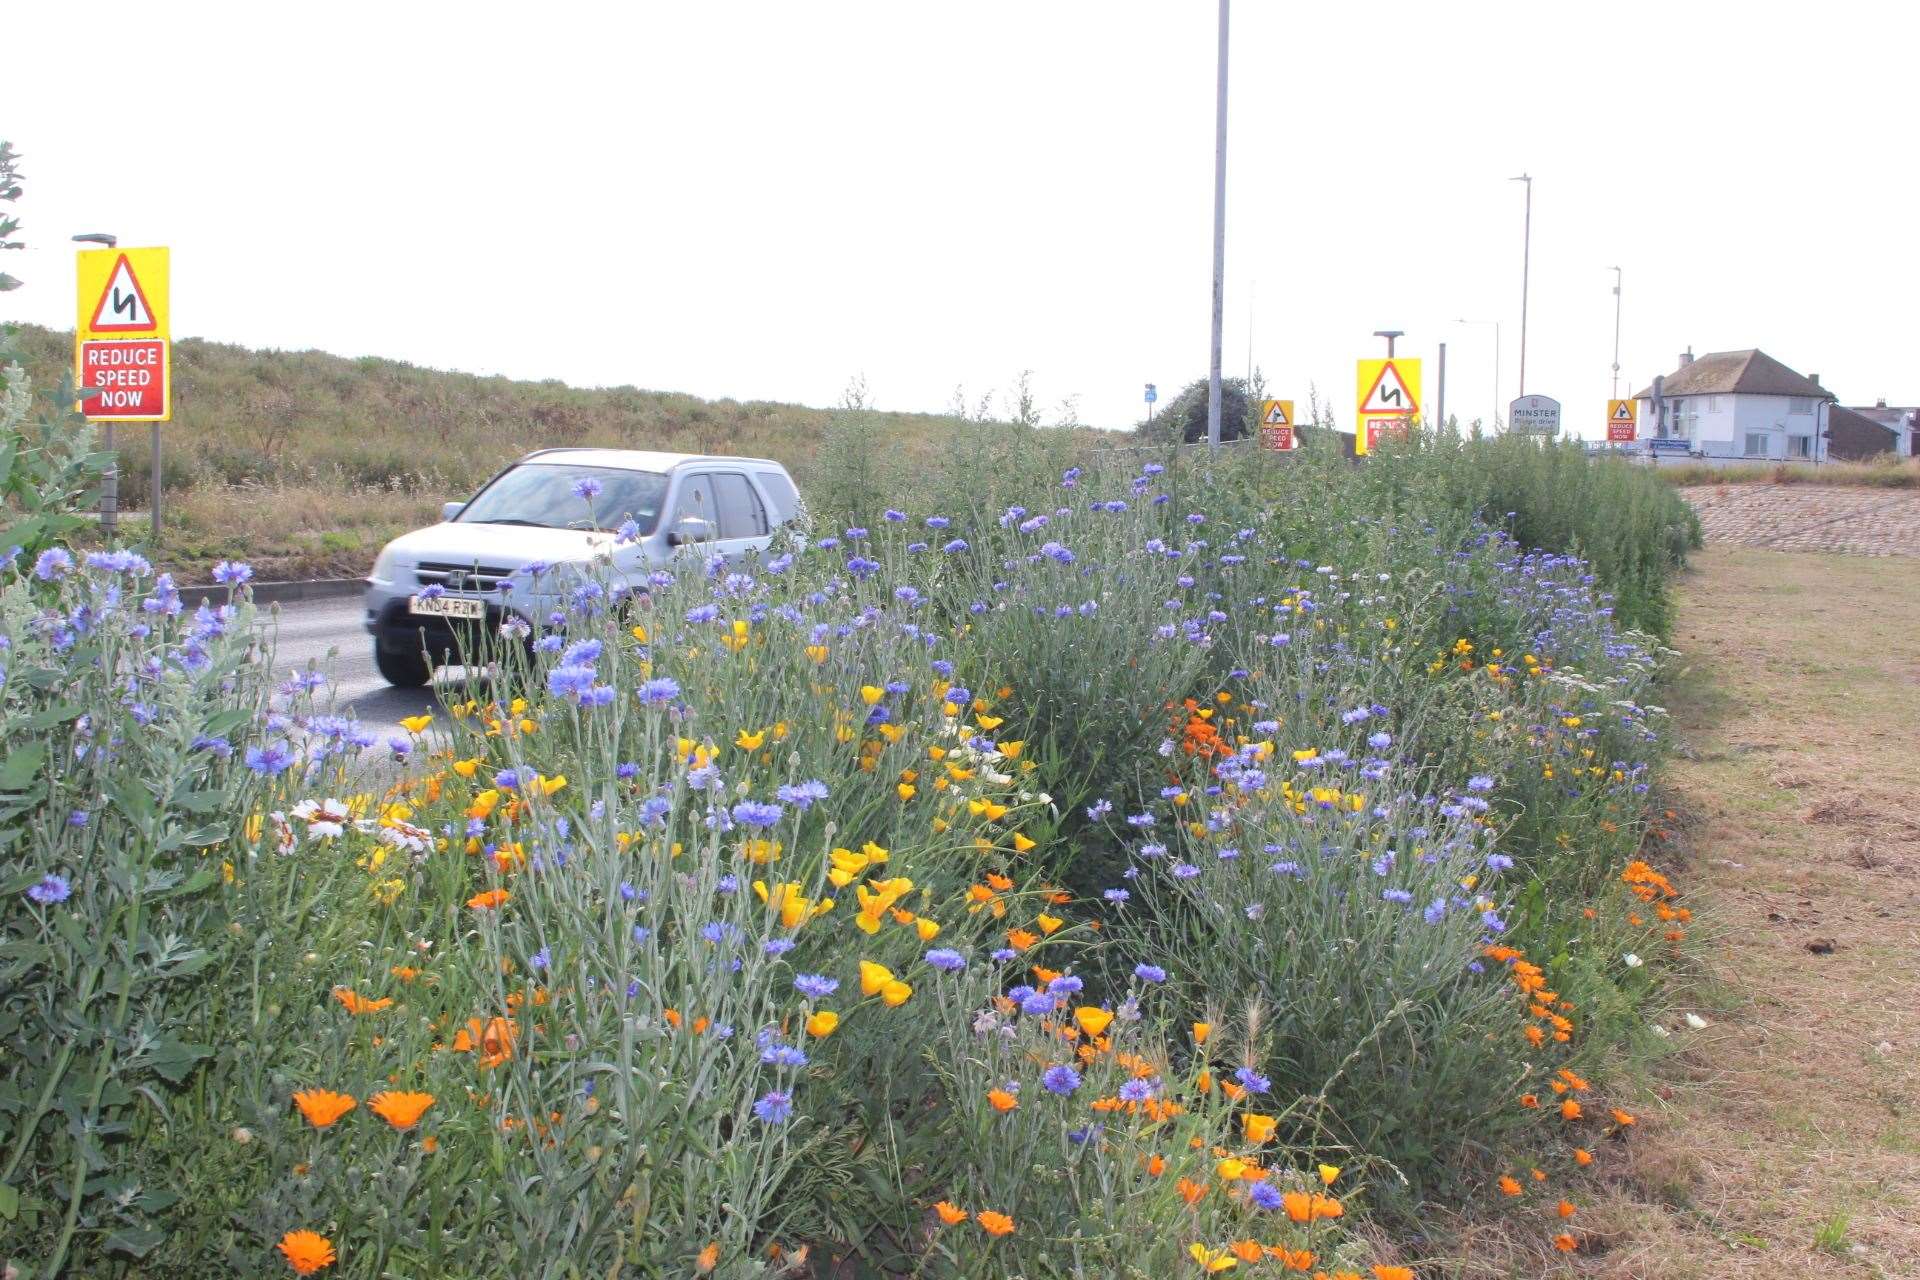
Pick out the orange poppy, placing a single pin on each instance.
(323, 1107)
(994, 1224)
(950, 1213)
(488, 899)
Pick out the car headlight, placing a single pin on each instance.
(386, 564)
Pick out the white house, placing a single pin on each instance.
(1737, 405)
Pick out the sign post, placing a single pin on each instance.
(1153, 393)
(1276, 426)
(1534, 416)
(1622, 421)
(1388, 400)
(122, 346)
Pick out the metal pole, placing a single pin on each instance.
(1219, 236)
(156, 482)
(1526, 263)
(1616, 333)
(1496, 375)
(110, 487)
(1443, 386)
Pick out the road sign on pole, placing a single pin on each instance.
(121, 342)
(1622, 421)
(1276, 426)
(1534, 416)
(1387, 402)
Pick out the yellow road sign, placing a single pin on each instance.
(1623, 418)
(1276, 425)
(1387, 400)
(121, 338)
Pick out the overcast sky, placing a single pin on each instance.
(764, 200)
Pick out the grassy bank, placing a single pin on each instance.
(1882, 472)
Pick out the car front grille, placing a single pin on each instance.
(461, 577)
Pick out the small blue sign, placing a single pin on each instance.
(1670, 446)
(1152, 393)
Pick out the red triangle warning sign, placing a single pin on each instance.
(1276, 415)
(123, 304)
(1389, 393)
(1623, 412)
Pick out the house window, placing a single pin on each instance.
(1756, 444)
(1799, 404)
(1799, 446)
(1713, 404)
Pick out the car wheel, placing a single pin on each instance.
(404, 670)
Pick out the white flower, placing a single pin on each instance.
(1633, 961)
(1659, 1030)
(1697, 1022)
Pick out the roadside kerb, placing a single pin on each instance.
(278, 592)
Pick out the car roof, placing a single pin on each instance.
(635, 459)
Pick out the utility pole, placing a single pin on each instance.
(1616, 333)
(1389, 335)
(1526, 262)
(1442, 424)
(1219, 237)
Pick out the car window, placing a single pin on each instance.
(742, 515)
(559, 496)
(695, 500)
(780, 489)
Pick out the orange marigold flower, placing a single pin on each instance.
(1509, 1185)
(358, 1004)
(1529, 1100)
(1566, 1209)
(1392, 1273)
(1021, 939)
(1002, 1100)
(1565, 1243)
(402, 1109)
(1621, 1118)
(1191, 1191)
(1582, 1158)
(488, 899)
(1570, 1110)
(1298, 1204)
(950, 1213)
(709, 1259)
(1156, 1165)
(994, 1224)
(1247, 1250)
(322, 1107)
(306, 1251)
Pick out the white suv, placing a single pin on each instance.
(520, 546)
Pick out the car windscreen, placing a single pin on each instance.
(561, 496)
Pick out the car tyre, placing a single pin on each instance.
(403, 669)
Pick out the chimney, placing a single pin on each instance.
(1686, 357)
(1814, 378)
(1881, 403)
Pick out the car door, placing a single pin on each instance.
(693, 506)
(744, 524)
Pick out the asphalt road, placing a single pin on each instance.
(327, 636)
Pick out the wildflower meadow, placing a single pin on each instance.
(1147, 866)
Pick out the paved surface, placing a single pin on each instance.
(327, 636)
(1802, 517)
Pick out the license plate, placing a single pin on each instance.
(446, 607)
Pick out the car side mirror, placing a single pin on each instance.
(448, 510)
(690, 529)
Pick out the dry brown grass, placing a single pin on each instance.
(1883, 471)
(1798, 1112)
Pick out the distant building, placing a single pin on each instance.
(1738, 406)
(1901, 423)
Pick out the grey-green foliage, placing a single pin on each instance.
(49, 470)
(1184, 418)
(9, 192)
(117, 782)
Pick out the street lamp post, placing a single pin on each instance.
(1526, 262)
(110, 482)
(1219, 236)
(1616, 333)
(1389, 335)
(1494, 413)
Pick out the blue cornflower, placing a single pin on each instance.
(782, 1055)
(586, 488)
(757, 813)
(1116, 896)
(1001, 955)
(659, 691)
(1136, 1090)
(1380, 741)
(1264, 1195)
(541, 958)
(802, 795)
(778, 946)
(774, 1107)
(955, 547)
(816, 986)
(1479, 782)
(270, 760)
(1065, 985)
(1185, 870)
(1038, 1004)
(1061, 1080)
(1252, 1081)
(946, 959)
(232, 572)
(50, 889)
(1149, 973)
(51, 564)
